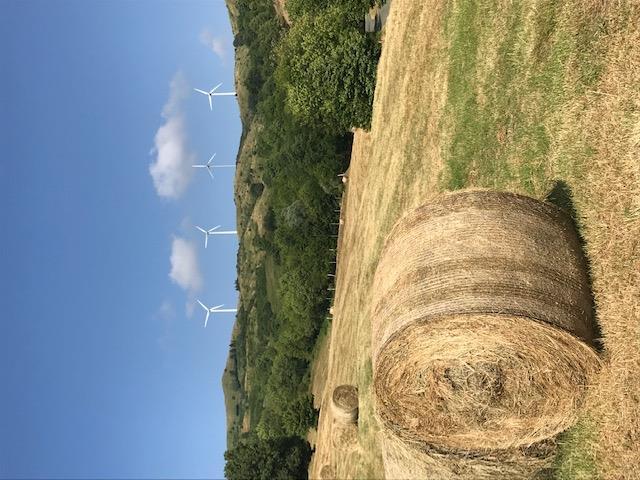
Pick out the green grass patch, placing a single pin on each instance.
(575, 459)
(501, 121)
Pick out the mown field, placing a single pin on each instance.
(538, 97)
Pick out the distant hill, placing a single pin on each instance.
(287, 191)
(251, 200)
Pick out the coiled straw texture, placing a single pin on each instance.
(344, 404)
(482, 319)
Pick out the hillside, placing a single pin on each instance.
(287, 194)
(250, 198)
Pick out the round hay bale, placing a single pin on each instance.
(344, 435)
(328, 472)
(344, 404)
(402, 462)
(481, 305)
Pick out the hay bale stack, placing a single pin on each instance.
(344, 404)
(328, 472)
(481, 312)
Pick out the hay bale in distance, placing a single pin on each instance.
(328, 472)
(344, 404)
(481, 305)
(344, 435)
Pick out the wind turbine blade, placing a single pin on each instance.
(227, 232)
(222, 94)
(206, 319)
(210, 173)
(206, 239)
(212, 157)
(215, 88)
(203, 305)
(216, 307)
(201, 91)
(214, 228)
(222, 166)
(210, 104)
(198, 166)
(201, 229)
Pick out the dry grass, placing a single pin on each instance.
(281, 9)
(518, 97)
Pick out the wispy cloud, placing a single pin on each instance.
(178, 92)
(217, 45)
(166, 311)
(171, 170)
(166, 314)
(185, 270)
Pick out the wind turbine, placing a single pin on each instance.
(211, 94)
(207, 233)
(209, 166)
(216, 309)
(214, 231)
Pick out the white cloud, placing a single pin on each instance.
(171, 170)
(184, 265)
(216, 44)
(178, 91)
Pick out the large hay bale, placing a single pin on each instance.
(402, 462)
(481, 303)
(344, 404)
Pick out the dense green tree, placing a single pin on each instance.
(259, 29)
(327, 66)
(272, 459)
(352, 8)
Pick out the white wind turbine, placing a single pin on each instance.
(214, 231)
(216, 309)
(207, 233)
(211, 94)
(210, 166)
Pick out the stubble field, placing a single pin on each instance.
(540, 98)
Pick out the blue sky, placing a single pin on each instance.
(105, 371)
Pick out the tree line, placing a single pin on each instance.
(308, 85)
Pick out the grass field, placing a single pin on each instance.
(532, 97)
